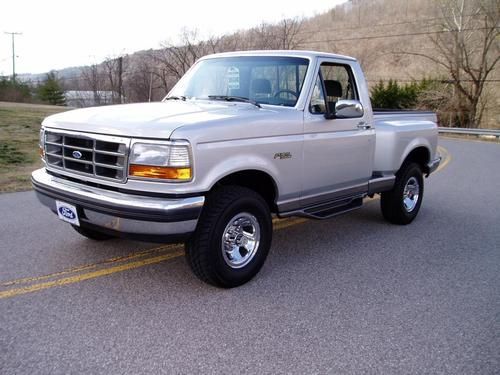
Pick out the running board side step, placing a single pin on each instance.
(329, 209)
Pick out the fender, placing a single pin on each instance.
(414, 144)
(239, 163)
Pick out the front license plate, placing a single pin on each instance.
(67, 212)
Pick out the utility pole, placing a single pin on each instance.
(120, 80)
(150, 85)
(13, 34)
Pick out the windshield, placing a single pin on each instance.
(262, 79)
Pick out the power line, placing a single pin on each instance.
(390, 35)
(13, 34)
(99, 75)
(418, 20)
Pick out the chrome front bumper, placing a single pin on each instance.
(120, 213)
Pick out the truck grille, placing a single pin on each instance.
(93, 155)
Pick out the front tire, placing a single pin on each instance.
(232, 239)
(402, 203)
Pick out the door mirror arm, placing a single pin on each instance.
(330, 115)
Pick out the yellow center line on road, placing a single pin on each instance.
(446, 158)
(278, 224)
(178, 250)
(133, 261)
(91, 266)
(89, 275)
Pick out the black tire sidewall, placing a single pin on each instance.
(412, 170)
(258, 208)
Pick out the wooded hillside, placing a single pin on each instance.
(453, 42)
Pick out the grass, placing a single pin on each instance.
(19, 132)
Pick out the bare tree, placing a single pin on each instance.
(176, 58)
(231, 42)
(173, 60)
(467, 49)
(262, 37)
(288, 32)
(92, 80)
(141, 81)
(113, 69)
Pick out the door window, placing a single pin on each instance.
(318, 104)
(337, 82)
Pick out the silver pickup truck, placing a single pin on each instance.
(242, 136)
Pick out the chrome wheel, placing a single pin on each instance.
(410, 194)
(240, 240)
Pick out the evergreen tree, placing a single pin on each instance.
(14, 91)
(50, 91)
(395, 96)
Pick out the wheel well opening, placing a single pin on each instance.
(421, 156)
(258, 181)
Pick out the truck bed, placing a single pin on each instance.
(400, 131)
(379, 113)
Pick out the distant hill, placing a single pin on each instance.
(61, 73)
(370, 30)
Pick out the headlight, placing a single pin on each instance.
(165, 161)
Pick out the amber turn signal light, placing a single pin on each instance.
(164, 173)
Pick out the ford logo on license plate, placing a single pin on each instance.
(67, 212)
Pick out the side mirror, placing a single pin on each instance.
(347, 109)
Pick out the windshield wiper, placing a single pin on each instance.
(230, 98)
(181, 97)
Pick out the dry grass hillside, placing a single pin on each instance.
(382, 33)
(385, 36)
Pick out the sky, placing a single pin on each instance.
(58, 34)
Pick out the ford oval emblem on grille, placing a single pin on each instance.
(77, 154)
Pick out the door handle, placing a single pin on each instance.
(364, 126)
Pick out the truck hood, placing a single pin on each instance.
(149, 120)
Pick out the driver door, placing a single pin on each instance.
(338, 152)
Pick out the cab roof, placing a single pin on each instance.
(281, 53)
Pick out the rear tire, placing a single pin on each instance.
(401, 204)
(232, 239)
(92, 234)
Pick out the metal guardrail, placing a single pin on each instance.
(467, 131)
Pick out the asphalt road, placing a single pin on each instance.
(350, 295)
